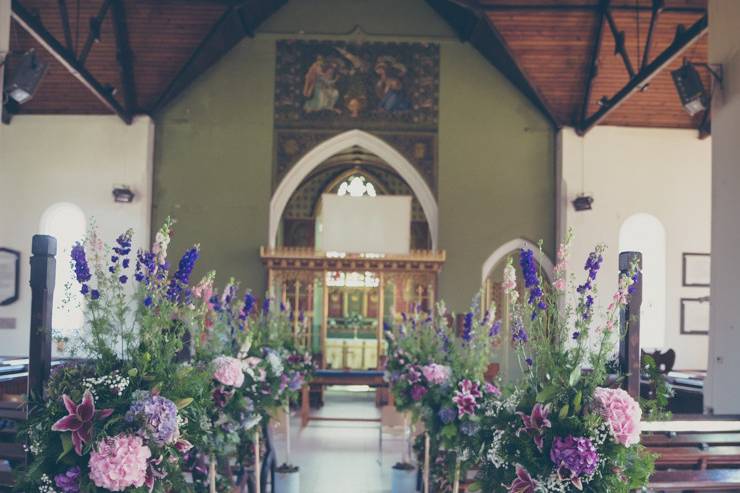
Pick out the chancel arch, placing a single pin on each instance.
(510, 247)
(337, 145)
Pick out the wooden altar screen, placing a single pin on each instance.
(293, 275)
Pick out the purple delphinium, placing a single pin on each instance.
(69, 481)
(575, 457)
(145, 266)
(249, 302)
(593, 264)
(518, 334)
(468, 327)
(266, 306)
(182, 275)
(532, 281)
(82, 269)
(159, 417)
(495, 328)
(447, 415)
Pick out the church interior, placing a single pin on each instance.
(339, 246)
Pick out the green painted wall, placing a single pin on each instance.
(213, 151)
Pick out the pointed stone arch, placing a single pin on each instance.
(507, 248)
(316, 156)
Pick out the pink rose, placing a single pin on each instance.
(228, 371)
(119, 462)
(436, 374)
(622, 413)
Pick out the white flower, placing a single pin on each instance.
(275, 363)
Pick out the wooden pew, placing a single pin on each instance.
(688, 480)
(701, 440)
(698, 457)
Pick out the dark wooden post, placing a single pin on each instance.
(629, 320)
(43, 274)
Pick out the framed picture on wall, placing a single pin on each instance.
(695, 315)
(10, 266)
(696, 269)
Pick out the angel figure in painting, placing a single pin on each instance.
(389, 87)
(319, 86)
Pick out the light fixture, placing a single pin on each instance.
(691, 91)
(26, 77)
(583, 203)
(123, 194)
(690, 88)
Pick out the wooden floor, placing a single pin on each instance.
(341, 457)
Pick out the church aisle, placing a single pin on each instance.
(342, 457)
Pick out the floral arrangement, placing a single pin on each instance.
(560, 429)
(437, 375)
(255, 368)
(124, 418)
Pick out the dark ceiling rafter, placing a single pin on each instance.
(619, 44)
(593, 68)
(36, 29)
(657, 9)
(682, 40)
(475, 27)
(94, 34)
(124, 55)
(64, 16)
(236, 22)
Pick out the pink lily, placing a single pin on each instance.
(523, 483)
(536, 423)
(80, 419)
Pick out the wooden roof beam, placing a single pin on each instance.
(233, 25)
(474, 26)
(36, 29)
(619, 46)
(64, 15)
(593, 68)
(124, 55)
(684, 38)
(93, 36)
(658, 7)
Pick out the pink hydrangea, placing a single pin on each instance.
(622, 413)
(436, 374)
(228, 371)
(119, 462)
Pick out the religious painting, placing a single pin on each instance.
(341, 84)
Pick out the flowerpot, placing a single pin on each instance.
(403, 478)
(287, 480)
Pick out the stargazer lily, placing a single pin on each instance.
(536, 423)
(80, 419)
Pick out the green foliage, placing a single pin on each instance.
(655, 407)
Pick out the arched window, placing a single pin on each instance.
(356, 186)
(65, 222)
(645, 233)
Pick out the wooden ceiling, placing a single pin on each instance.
(545, 47)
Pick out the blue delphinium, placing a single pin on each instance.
(468, 327)
(182, 275)
(82, 269)
(249, 302)
(532, 281)
(495, 328)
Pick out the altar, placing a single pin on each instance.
(341, 302)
